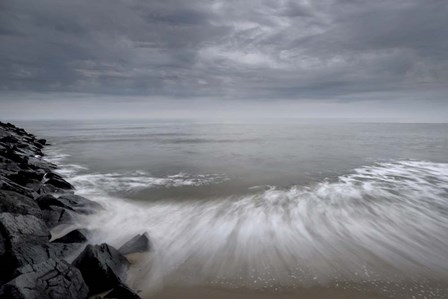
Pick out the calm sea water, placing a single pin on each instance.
(267, 205)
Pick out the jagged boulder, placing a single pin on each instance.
(19, 233)
(54, 216)
(16, 203)
(9, 139)
(23, 254)
(68, 201)
(41, 141)
(47, 200)
(51, 279)
(37, 163)
(7, 184)
(41, 189)
(13, 154)
(102, 267)
(57, 181)
(8, 166)
(23, 229)
(24, 177)
(79, 204)
(139, 243)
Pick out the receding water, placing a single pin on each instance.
(267, 210)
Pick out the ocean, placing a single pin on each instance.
(266, 209)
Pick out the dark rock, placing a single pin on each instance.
(16, 252)
(57, 181)
(15, 156)
(75, 236)
(54, 215)
(23, 254)
(19, 233)
(23, 145)
(24, 177)
(9, 185)
(64, 250)
(36, 163)
(9, 139)
(139, 243)
(51, 279)
(16, 203)
(47, 200)
(50, 189)
(3, 147)
(34, 185)
(102, 267)
(41, 141)
(38, 145)
(122, 291)
(8, 166)
(23, 229)
(79, 204)
(68, 201)
(2, 245)
(27, 150)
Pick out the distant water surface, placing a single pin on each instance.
(329, 207)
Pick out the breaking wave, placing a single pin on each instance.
(384, 222)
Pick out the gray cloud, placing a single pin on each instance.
(225, 48)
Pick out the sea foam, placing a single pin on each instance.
(383, 222)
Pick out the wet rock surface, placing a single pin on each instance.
(102, 267)
(139, 243)
(75, 236)
(35, 199)
(51, 279)
(16, 203)
(54, 216)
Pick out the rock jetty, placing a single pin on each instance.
(34, 199)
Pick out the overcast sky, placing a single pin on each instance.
(287, 58)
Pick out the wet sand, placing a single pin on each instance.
(222, 293)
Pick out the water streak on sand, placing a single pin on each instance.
(384, 222)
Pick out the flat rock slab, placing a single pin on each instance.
(102, 267)
(51, 279)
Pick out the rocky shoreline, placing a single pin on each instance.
(34, 200)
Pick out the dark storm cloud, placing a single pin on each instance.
(223, 48)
